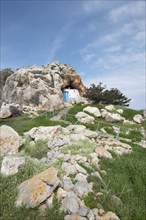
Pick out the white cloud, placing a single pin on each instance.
(133, 9)
(90, 7)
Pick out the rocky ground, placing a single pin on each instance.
(71, 152)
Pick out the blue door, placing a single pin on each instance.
(65, 96)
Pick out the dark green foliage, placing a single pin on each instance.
(99, 94)
(90, 200)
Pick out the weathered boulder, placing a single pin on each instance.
(93, 110)
(34, 191)
(43, 133)
(113, 117)
(11, 165)
(5, 112)
(41, 86)
(110, 107)
(109, 216)
(9, 141)
(138, 118)
(85, 118)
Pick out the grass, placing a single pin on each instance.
(24, 123)
(125, 179)
(38, 150)
(83, 148)
(8, 186)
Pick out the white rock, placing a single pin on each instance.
(102, 152)
(44, 133)
(113, 117)
(81, 188)
(11, 165)
(85, 118)
(81, 177)
(92, 110)
(80, 169)
(74, 217)
(91, 215)
(120, 111)
(138, 118)
(110, 107)
(76, 128)
(83, 210)
(5, 112)
(69, 168)
(67, 184)
(70, 204)
(9, 141)
(61, 193)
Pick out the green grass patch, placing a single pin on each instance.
(8, 186)
(38, 150)
(125, 179)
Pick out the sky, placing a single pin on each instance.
(103, 40)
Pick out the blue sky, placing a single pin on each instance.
(103, 40)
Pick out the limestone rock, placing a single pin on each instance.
(83, 210)
(9, 141)
(109, 216)
(81, 188)
(74, 217)
(61, 193)
(110, 107)
(34, 191)
(41, 86)
(93, 110)
(5, 112)
(76, 128)
(84, 118)
(69, 168)
(113, 117)
(80, 169)
(102, 152)
(11, 165)
(120, 111)
(43, 133)
(70, 204)
(67, 184)
(138, 118)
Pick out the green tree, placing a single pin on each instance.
(99, 94)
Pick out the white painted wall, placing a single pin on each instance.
(73, 94)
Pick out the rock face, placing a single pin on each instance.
(34, 191)
(9, 141)
(11, 165)
(41, 86)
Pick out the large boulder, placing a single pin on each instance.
(11, 165)
(113, 117)
(93, 110)
(110, 107)
(85, 118)
(8, 110)
(38, 189)
(10, 141)
(41, 86)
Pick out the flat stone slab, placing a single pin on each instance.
(39, 188)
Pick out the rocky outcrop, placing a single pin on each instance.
(41, 86)
(9, 141)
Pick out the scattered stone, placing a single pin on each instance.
(43, 133)
(76, 128)
(69, 168)
(82, 188)
(61, 193)
(102, 152)
(81, 177)
(70, 204)
(82, 211)
(67, 184)
(34, 191)
(109, 216)
(5, 112)
(113, 117)
(110, 107)
(84, 118)
(11, 165)
(92, 110)
(74, 217)
(120, 111)
(91, 215)
(9, 141)
(80, 169)
(138, 118)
